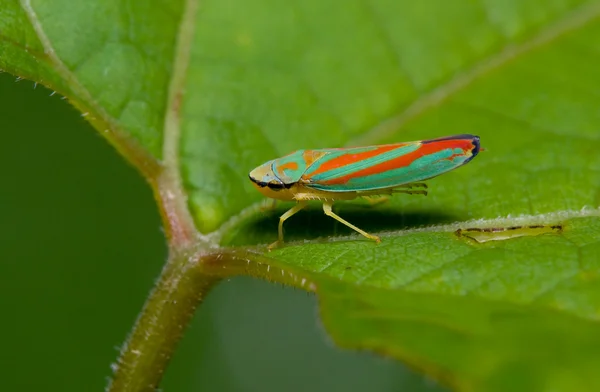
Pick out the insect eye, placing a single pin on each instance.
(275, 185)
(257, 182)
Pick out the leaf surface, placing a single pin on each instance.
(266, 77)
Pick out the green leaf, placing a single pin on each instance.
(114, 62)
(271, 78)
(470, 343)
(478, 315)
(212, 94)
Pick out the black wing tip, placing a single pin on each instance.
(476, 147)
(463, 136)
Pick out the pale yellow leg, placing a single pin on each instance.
(373, 201)
(268, 205)
(327, 208)
(282, 218)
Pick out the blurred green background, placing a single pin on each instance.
(82, 244)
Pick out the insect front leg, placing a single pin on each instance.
(301, 204)
(328, 210)
(268, 205)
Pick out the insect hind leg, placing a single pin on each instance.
(408, 189)
(328, 210)
(404, 188)
(411, 185)
(411, 191)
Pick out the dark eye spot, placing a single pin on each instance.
(276, 186)
(259, 183)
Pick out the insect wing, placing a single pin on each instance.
(389, 166)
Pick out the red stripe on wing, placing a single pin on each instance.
(466, 145)
(350, 158)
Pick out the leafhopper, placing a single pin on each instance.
(333, 174)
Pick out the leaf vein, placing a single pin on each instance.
(576, 19)
(172, 192)
(128, 147)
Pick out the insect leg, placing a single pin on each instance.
(410, 191)
(405, 188)
(282, 218)
(268, 205)
(414, 185)
(327, 209)
(376, 200)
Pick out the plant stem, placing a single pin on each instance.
(161, 324)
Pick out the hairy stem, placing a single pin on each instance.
(183, 283)
(182, 286)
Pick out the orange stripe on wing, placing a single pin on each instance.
(310, 156)
(405, 160)
(350, 158)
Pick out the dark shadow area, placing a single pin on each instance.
(252, 335)
(312, 223)
(81, 245)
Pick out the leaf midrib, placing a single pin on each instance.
(170, 184)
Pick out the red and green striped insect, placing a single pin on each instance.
(335, 174)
